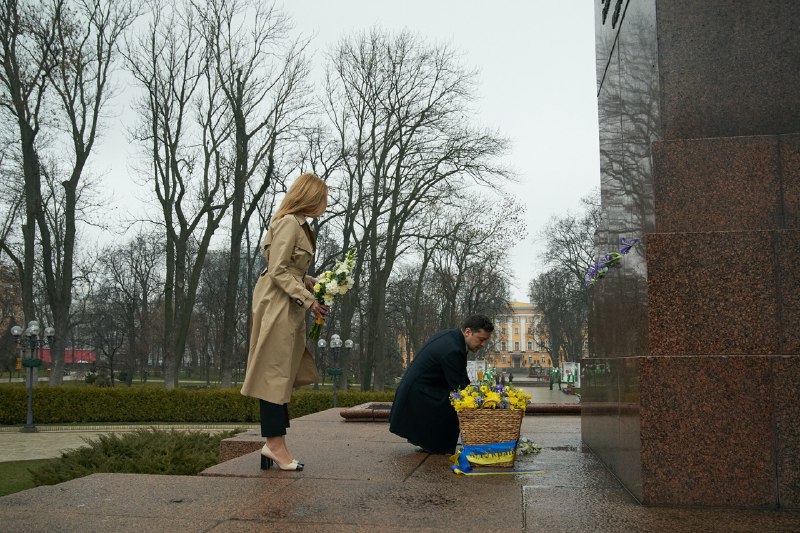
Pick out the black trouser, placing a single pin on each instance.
(274, 418)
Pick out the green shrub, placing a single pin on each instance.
(79, 404)
(146, 451)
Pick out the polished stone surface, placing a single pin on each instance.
(361, 478)
(740, 186)
(785, 378)
(706, 431)
(728, 70)
(700, 159)
(712, 293)
(788, 246)
(790, 177)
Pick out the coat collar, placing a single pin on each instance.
(312, 236)
(463, 342)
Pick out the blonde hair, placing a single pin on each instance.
(307, 196)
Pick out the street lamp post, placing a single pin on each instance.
(322, 344)
(348, 345)
(32, 345)
(335, 371)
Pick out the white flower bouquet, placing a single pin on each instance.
(333, 283)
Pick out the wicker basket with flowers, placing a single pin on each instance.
(490, 417)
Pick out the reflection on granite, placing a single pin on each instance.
(600, 409)
(785, 378)
(740, 186)
(727, 71)
(628, 109)
(712, 293)
(690, 392)
(610, 416)
(706, 430)
(629, 468)
(605, 38)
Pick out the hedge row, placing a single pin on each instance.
(67, 405)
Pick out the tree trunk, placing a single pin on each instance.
(130, 360)
(33, 202)
(229, 314)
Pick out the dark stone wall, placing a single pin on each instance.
(696, 333)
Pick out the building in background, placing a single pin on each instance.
(519, 343)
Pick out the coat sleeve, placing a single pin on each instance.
(280, 263)
(454, 366)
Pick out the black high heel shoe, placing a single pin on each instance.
(267, 459)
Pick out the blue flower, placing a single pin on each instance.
(627, 244)
(600, 268)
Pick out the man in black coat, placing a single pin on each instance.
(421, 411)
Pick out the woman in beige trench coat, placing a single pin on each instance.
(281, 298)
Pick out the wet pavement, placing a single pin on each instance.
(359, 477)
(51, 440)
(545, 395)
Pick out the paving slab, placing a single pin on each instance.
(549, 508)
(359, 477)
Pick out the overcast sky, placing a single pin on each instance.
(536, 86)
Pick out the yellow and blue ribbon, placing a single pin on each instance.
(486, 455)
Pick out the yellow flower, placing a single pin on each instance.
(484, 397)
(492, 400)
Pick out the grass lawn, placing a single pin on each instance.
(16, 476)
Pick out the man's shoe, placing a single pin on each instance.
(424, 450)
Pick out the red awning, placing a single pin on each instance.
(77, 356)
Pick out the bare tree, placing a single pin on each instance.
(67, 48)
(569, 238)
(28, 36)
(559, 292)
(398, 108)
(9, 309)
(106, 326)
(263, 77)
(458, 269)
(470, 263)
(563, 304)
(132, 270)
(183, 125)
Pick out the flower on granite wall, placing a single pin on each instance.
(600, 268)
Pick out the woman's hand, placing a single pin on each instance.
(319, 310)
(310, 282)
